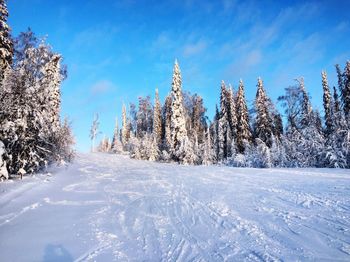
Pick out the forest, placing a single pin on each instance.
(179, 131)
(32, 134)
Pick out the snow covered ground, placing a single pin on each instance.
(107, 207)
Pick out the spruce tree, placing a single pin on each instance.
(116, 145)
(167, 123)
(223, 124)
(157, 120)
(178, 121)
(336, 104)
(6, 45)
(346, 90)
(198, 118)
(243, 129)
(327, 104)
(94, 131)
(306, 109)
(125, 128)
(263, 121)
(216, 132)
(232, 116)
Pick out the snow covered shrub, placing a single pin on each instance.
(3, 168)
(238, 160)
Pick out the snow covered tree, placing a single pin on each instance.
(208, 154)
(105, 145)
(198, 118)
(346, 90)
(166, 131)
(157, 120)
(336, 104)
(291, 101)
(178, 121)
(306, 109)
(125, 128)
(144, 117)
(6, 45)
(263, 121)
(232, 112)
(30, 125)
(94, 131)
(327, 104)
(224, 139)
(243, 127)
(116, 144)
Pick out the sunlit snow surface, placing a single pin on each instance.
(107, 207)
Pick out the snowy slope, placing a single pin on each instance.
(107, 207)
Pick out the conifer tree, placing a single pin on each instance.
(243, 128)
(6, 45)
(306, 109)
(125, 128)
(157, 120)
(232, 116)
(216, 132)
(178, 121)
(94, 131)
(327, 104)
(223, 124)
(336, 104)
(116, 145)
(198, 118)
(167, 123)
(263, 121)
(346, 90)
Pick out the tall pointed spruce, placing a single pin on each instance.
(125, 128)
(94, 131)
(243, 129)
(157, 120)
(6, 45)
(327, 104)
(178, 122)
(263, 121)
(346, 90)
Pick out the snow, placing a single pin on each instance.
(108, 207)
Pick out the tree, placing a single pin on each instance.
(6, 45)
(125, 128)
(157, 120)
(166, 131)
(178, 122)
(224, 126)
(306, 109)
(327, 104)
(243, 128)
(198, 118)
(291, 101)
(94, 131)
(144, 117)
(116, 145)
(346, 90)
(30, 125)
(263, 121)
(232, 115)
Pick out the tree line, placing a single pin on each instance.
(179, 131)
(32, 134)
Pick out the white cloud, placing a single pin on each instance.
(101, 87)
(194, 48)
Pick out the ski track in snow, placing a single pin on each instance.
(107, 207)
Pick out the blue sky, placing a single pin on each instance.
(118, 50)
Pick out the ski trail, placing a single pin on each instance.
(111, 208)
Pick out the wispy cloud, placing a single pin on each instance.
(194, 48)
(101, 87)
